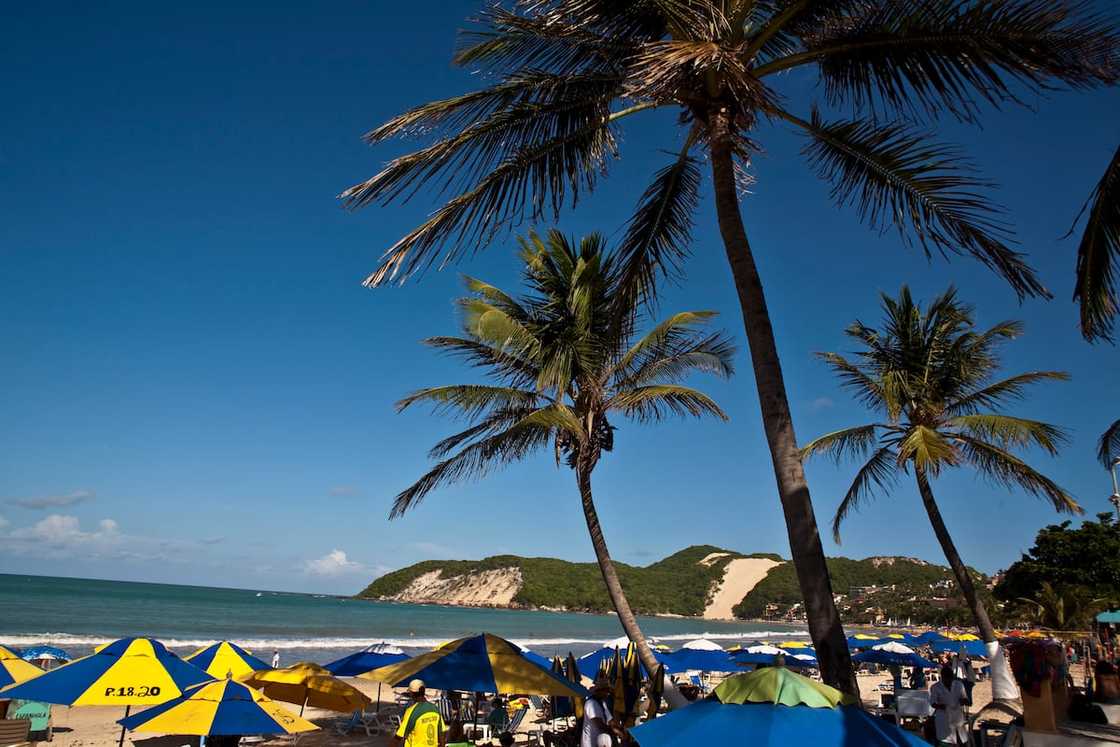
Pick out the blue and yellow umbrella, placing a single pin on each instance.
(219, 709)
(481, 663)
(128, 672)
(14, 669)
(225, 659)
(6, 652)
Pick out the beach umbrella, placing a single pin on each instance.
(780, 686)
(369, 658)
(796, 646)
(571, 672)
(533, 656)
(223, 708)
(770, 725)
(45, 653)
(656, 692)
(975, 649)
(481, 663)
(885, 656)
(225, 659)
(797, 661)
(307, 684)
(9, 652)
(561, 706)
(14, 669)
(931, 636)
(625, 675)
(700, 655)
(764, 648)
(126, 672)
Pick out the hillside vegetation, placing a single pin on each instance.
(682, 585)
(891, 587)
(678, 585)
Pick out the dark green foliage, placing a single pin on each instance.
(1076, 562)
(677, 585)
(910, 578)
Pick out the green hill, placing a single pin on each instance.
(894, 587)
(679, 584)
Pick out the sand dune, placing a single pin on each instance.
(739, 577)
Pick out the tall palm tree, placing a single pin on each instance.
(564, 74)
(931, 375)
(565, 362)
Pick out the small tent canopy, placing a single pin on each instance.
(1112, 616)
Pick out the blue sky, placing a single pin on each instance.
(197, 389)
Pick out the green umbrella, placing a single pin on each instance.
(781, 686)
(573, 675)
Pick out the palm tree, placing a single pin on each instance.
(565, 363)
(565, 73)
(930, 374)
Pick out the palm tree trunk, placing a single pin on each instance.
(614, 586)
(1003, 686)
(801, 523)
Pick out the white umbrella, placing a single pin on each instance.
(893, 647)
(765, 648)
(702, 644)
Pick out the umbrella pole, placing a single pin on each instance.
(303, 704)
(120, 742)
(378, 698)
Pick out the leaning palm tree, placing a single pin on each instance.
(565, 74)
(930, 374)
(1098, 257)
(566, 361)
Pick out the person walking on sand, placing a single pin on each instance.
(948, 699)
(421, 724)
(275, 659)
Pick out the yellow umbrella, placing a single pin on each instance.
(14, 669)
(219, 708)
(308, 684)
(794, 644)
(865, 637)
(967, 637)
(225, 659)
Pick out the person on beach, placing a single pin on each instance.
(275, 659)
(597, 728)
(421, 724)
(948, 698)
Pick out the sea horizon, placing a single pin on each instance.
(78, 614)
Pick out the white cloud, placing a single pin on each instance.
(53, 501)
(62, 536)
(4, 522)
(821, 403)
(334, 563)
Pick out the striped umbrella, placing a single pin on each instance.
(14, 669)
(481, 663)
(219, 709)
(126, 672)
(226, 660)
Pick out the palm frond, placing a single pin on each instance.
(1001, 392)
(554, 417)
(469, 400)
(1008, 470)
(843, 444)
(659, 232)
(919, 56)
(1098, 257)
(502, 365)
(713, 354)
(656, 401)
(519, 163)
(879, 472)
(1108, 448)
(490, 425)
(868, 391)
(496, 327)
(1008, 432)
(927, 449)
(496, 297)
(474, 461)
(662, 339)
(897, 177)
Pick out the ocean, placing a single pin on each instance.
(78, 614)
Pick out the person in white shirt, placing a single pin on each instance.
(948, 699)
(275, 659)
(597, 716)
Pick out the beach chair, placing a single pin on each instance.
(14, 731)
(357, 721)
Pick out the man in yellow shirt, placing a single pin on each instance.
(421, 724)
